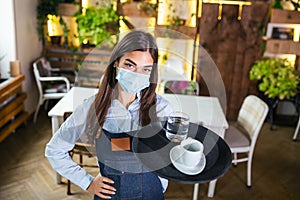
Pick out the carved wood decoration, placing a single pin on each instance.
(234, 45)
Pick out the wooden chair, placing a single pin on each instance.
(242, 137)
(81, 149)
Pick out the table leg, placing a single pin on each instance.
(212, 184)
(196, 190)
(55, 126)
(211, 188)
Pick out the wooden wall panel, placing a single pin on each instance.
(234, 45)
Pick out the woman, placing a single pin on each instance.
(126, 101)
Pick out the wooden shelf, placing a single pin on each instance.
(12, 112)
(285, 16)
(283, 35)
(283, 47)
(295, 27)
(90, 62)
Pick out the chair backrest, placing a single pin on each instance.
(39, 71)
(44, 67)
(252, 115)
(181, 87)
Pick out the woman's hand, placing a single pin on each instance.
(100, 187)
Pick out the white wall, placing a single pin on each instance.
(7, 33)
(20, 41)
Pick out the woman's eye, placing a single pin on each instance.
(129, 65)
(147, 70)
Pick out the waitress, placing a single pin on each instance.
(126, 101)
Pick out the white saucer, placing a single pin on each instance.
(175, 156)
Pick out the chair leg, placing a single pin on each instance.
(46, 104)
(297, 130)
(41, 101)
(211, 188)
(69, 188)
(234, 159)
(80, 160)
(36, 112)
(249, 164)
(196, 190)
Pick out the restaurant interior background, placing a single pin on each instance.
(235, 34)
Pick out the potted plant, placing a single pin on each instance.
(277, 77)
(96, 24)
(45, 8)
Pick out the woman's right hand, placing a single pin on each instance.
(100, 187)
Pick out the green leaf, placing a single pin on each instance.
(276, 76)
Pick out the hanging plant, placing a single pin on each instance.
(277, 4)
(97, 24)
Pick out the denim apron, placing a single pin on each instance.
(131, 179)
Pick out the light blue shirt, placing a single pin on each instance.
(119, 119)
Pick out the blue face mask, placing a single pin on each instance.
(132, 82)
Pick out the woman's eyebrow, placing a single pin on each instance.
(131, 61)
(148, 66)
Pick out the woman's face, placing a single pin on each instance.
(137, 61)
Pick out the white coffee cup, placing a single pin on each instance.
(191, 152)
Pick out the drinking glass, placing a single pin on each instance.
(177, 126)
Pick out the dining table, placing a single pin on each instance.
(203, 110)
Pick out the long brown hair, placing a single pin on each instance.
(133, 41)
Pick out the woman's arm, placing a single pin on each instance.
(57, 150)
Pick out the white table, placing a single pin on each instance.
(203, 110)
(68, 103)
